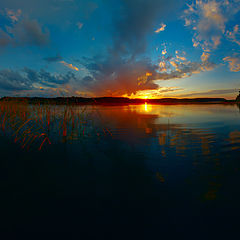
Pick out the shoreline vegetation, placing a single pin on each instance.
(40, 124)
(114, 100)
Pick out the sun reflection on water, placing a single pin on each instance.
(146, 107)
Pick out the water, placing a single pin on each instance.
(128, 171)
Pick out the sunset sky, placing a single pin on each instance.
(132, 48)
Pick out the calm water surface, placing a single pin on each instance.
(135, 171)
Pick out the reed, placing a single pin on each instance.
(41, 125)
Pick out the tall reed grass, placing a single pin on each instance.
(40, 125)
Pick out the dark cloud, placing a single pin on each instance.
(125, 70)
(118, 76)
(135, 20)
(24, 32)
(48, 79)
(27, 79)
(118, 72)
(12, 80)
(28, 32)
(53, 59)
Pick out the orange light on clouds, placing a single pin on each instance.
(69, 65)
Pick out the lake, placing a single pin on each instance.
(119, 172)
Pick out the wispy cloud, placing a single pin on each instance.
(234, 35)
(205, 56)
(234, 63)
(155, 93)
(69, 65)
(210, 92)
(161, 29)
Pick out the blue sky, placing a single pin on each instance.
(133, 48)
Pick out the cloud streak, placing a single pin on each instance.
(161, 29)
(69, 65)
(209, 93)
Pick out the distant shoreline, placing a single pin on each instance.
(115, 101)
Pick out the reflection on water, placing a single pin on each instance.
(137, 167)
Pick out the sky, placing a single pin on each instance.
(130, 48)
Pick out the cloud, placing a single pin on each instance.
(180, 58)
(24, 32)
(118, 77)
(29, 32)
(69, 65)
(176, 70)
(210, 92)
(59, 59)
(161, 29)
(134, 21)
(124, 71)
(28, 80)
(179, 67)
(164, 51)
(234, 63)
(56, 58)
(14, 15)
(117, 73)
(234, 35)
(46, 78)
(12, 80)
(87, 79)
(208, 19)
(155, 93)
(205, 56)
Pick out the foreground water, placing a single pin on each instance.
(130, 171)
